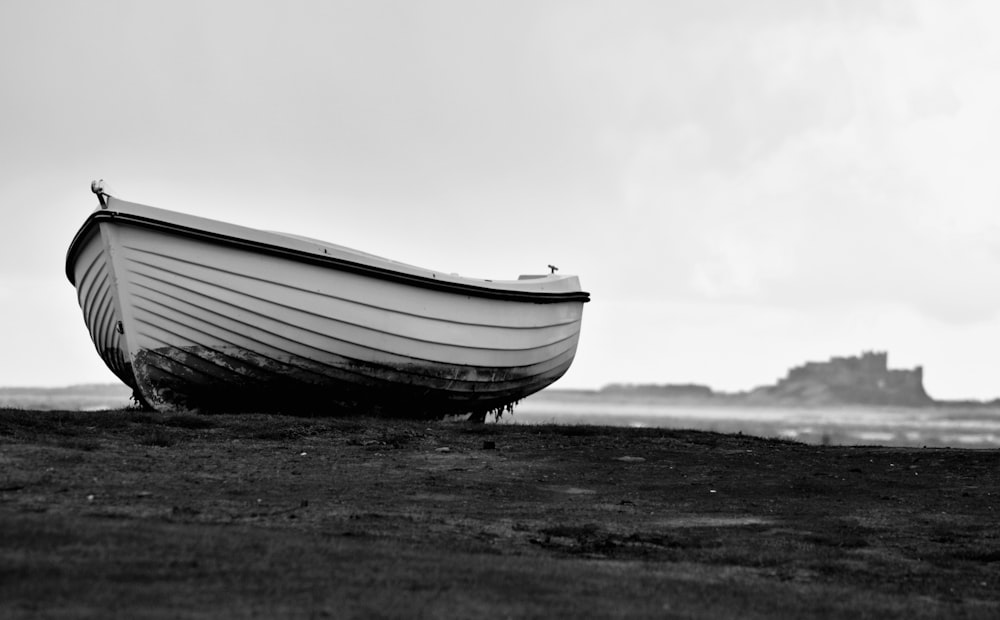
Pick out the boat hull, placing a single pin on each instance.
(214, 317)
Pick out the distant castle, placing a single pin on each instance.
(860, 380)
(863, 380)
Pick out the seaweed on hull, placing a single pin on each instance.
(854, 380)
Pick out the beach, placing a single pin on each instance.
(133, 514)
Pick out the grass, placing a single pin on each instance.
(123, 513)
(158, 437)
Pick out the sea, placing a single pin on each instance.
(952, 426)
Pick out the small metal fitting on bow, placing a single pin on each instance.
(102, 191)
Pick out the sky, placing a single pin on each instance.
(741, 186)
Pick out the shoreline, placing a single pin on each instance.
(952, 425)
(916, 427)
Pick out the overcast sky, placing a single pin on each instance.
(742, 186)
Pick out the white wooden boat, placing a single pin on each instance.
(197, 314)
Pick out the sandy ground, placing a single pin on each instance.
(127, 514)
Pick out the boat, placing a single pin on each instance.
(196, 314)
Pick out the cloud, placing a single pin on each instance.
(837, 159)
(757, 165)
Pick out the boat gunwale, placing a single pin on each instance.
(383, 273)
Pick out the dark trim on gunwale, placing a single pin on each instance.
(327, 261)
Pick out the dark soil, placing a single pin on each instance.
(124, 514)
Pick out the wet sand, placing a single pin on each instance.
(128, 514)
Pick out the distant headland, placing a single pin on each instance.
(854, 380)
